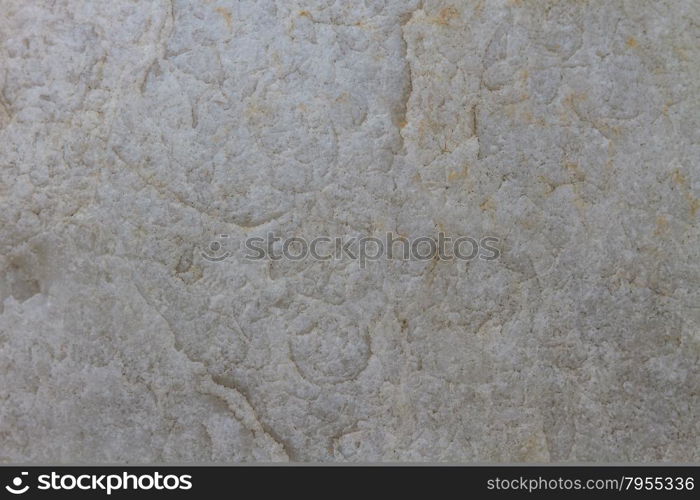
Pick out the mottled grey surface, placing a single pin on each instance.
(133, 132)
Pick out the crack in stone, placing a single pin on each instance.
(226, 383)
(402, 112)
(229, 384)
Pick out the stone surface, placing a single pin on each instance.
(133, 132)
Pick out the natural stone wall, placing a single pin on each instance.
(133, 133)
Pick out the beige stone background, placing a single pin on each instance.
(131, 133)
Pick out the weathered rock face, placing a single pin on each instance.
(132, 134)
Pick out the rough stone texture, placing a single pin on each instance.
(132, 132)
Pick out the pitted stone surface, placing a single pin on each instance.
(132, 133)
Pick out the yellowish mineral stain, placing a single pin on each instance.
(682, 181)
(446, 15)
(488, 204)
(679, 178)
(575, 171)
(534, 448)
(226, 14)
(661, 225)
(457, 174)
